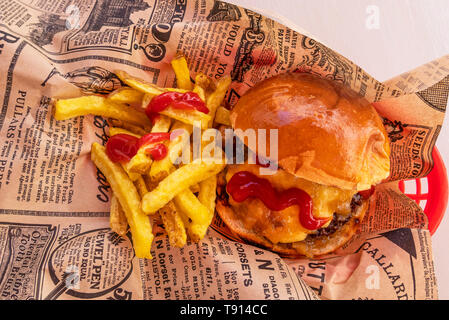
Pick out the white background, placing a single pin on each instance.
(410, 33)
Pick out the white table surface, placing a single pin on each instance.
(409, 34)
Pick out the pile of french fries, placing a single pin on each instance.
(145, 190)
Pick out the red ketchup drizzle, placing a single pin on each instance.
(153, 137)
(122, 147)
(158, 152)
(176, 100)
(244, 185)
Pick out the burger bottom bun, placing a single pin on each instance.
(311, 247)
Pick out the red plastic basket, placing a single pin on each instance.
(434, 199)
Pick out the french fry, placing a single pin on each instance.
(99, 106)
(170, 216)
(161, 124)
(222, 116)
(181, 69)
(126, 95)
(200, 211)
(161, 173)
(129, 199)
(143, 86)
(216, 98)
(117, 217)
(136, 165)
(141, 186)
(141, 162)
(197, 212)
(176, 182)
(204, 82)
(208, 192)
(114, 131)
(185, 116)
(200, 91)
(151, 185)
(202, 86)
(188, 116)
(139, 84)
(162, 168)
(128, 126)
(133, 176)
(195, 188)
(173, 224)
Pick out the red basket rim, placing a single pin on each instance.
(438, 192)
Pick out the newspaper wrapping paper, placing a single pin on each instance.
(55, 241)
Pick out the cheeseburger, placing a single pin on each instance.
(332, 150)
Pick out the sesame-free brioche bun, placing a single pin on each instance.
(327, 133)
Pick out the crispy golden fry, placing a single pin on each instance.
(129, 199)
(181, 69)
(185, 116)
(161, 124)
(141, 162)
(136, 165)
(198, 214)
(208, 192)
(188, 116)
(200, 219)
(174, 225)
(133, 176)
(158, 176)
(178, 181)
(117, 217)
(100, 106)
(162, 168)
(151, 185)
(139, 84)
(200, 91)
(114, 131)
(126, 95)
(143, 86)
(141, 186)
(130, 127)
(195, 188)
(216, 98)
(204, 82)
(222, 116)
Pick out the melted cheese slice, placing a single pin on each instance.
(284, 226)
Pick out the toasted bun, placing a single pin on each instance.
(327, 133)
(310, 247)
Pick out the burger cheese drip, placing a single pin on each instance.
(284, 226)
(244, 185)
(122, 147)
